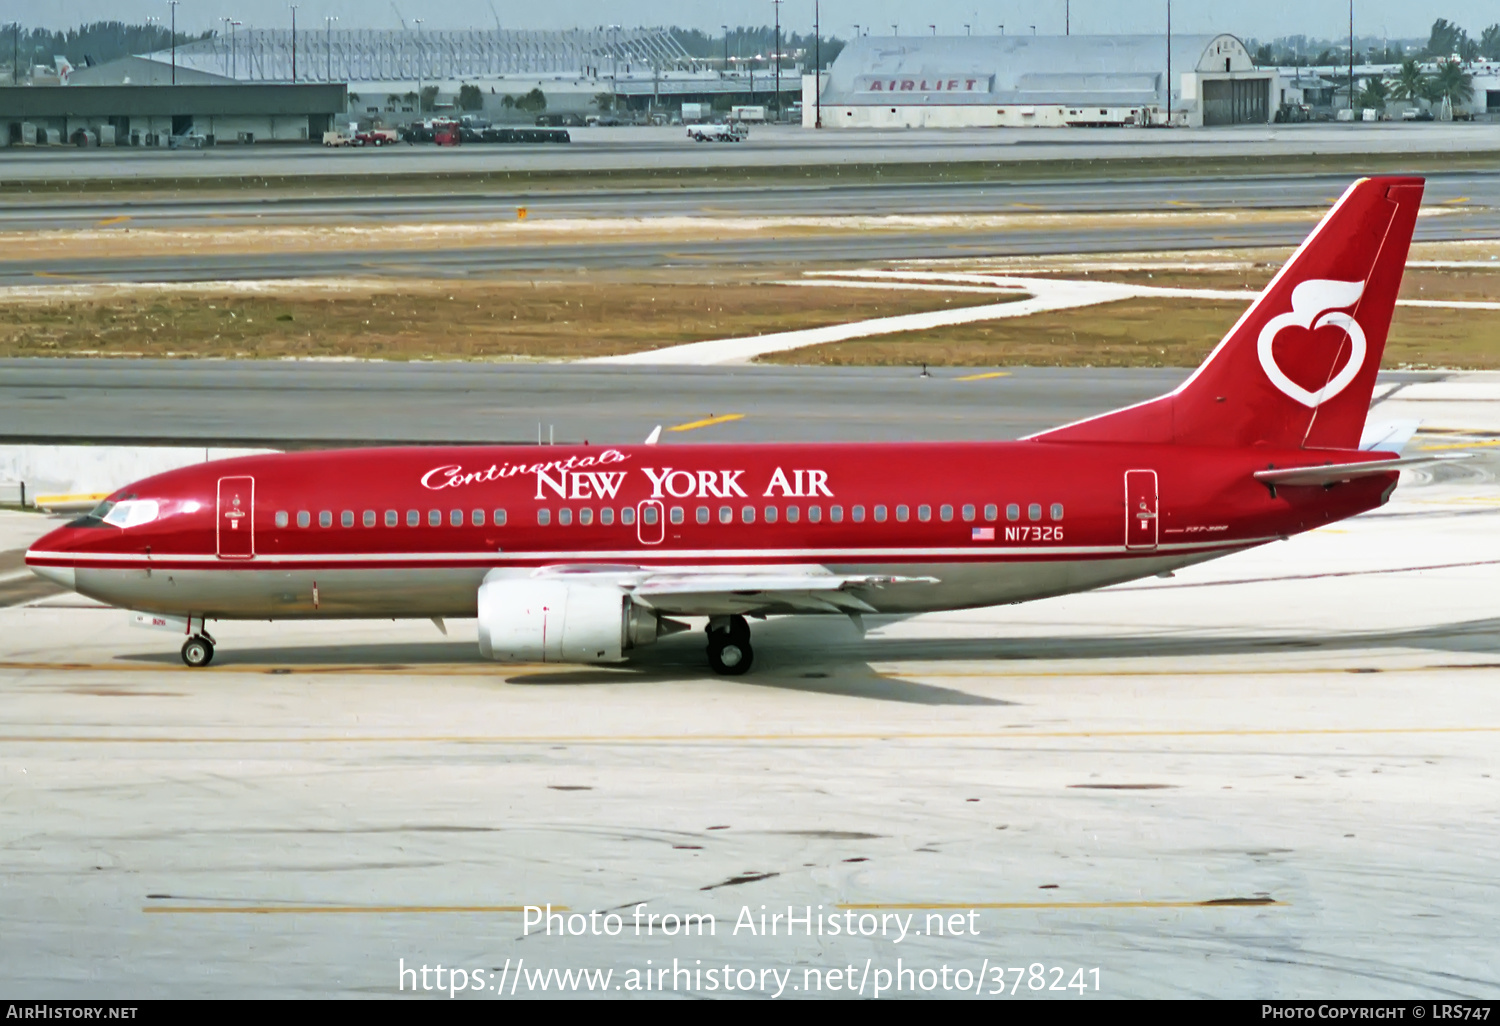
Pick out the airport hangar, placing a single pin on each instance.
(150, 114)
(1019, 81)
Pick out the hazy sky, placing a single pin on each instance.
(1264, 19)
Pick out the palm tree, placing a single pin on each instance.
(1376, 94)
(1452, 83)
(1411, 83)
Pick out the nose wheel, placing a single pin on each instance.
(729, 651)
(198, 650)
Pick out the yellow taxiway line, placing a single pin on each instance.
(984, 377)
(693, 425)
(935, 906)
(627, 739)
(267, 910)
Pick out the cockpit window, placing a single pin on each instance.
(132, 513)
(95, 517)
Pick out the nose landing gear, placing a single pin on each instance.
(729, 651)
(198, 650)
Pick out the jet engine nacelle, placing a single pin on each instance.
(548, 621)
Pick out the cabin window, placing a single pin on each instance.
(903, 514)
(748, 514)
(498, 518)
(303, 518)
(1012, 512)
(281, 518)
(991, 511)
(607, 516)
(413, 518)
(726, 515)
(627, 515)
(924, 513)
(945, 513)
(325, 519)
(369, 518)
(968, 511)
(793, 514)
(857, 514)
(565, 516)
(585, 516)
(836, 514)
(770, 514)
(347, 518)
(435, 518)
(650, 515)
(544, 517)
(880, 514)
(702, 514)
(814, 514)
(1056, 511)
(477, 518)
(1034, 511)
(676, 514)
(392, 518)
(456, 517)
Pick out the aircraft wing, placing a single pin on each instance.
(1335, 473)
(721, 591)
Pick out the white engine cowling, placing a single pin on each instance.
(549, 621)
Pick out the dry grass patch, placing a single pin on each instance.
(440, 320)
(1145, 333)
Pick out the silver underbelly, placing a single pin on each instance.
(246, 594)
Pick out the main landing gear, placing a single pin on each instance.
(729, 651)
(198, 650)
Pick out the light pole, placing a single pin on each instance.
(933, 28)
(856, 30)
(1351, 60)
(234, 61)
(614, 69)
(15, 53)
(817, 66)
(294, 43)
(966, 29)
(1033, 30)
(226, 52)
(1169, 63)
(420, 54)
(726, 47)
(173, 4)
(328, 20)
(1002, 30)
(776, 56)
(1067, 17)
(893, 28)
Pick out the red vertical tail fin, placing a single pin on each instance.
(1299, 367)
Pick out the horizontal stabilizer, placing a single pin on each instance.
(1334, 473)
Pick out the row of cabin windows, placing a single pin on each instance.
(677, 515)
(793, 514)
(392, 518)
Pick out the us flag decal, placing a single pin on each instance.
(984, 534)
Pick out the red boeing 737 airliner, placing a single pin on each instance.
(584, 553)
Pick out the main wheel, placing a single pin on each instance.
(729, 656)
(198, 651)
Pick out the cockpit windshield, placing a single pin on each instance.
(124, 511)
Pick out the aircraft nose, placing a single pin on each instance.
(48, 558)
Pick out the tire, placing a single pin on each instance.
(729, 657)
(197, 652)
(739, 630)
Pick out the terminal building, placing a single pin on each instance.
(1017, 81)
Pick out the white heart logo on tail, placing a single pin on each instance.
(1309, 299)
